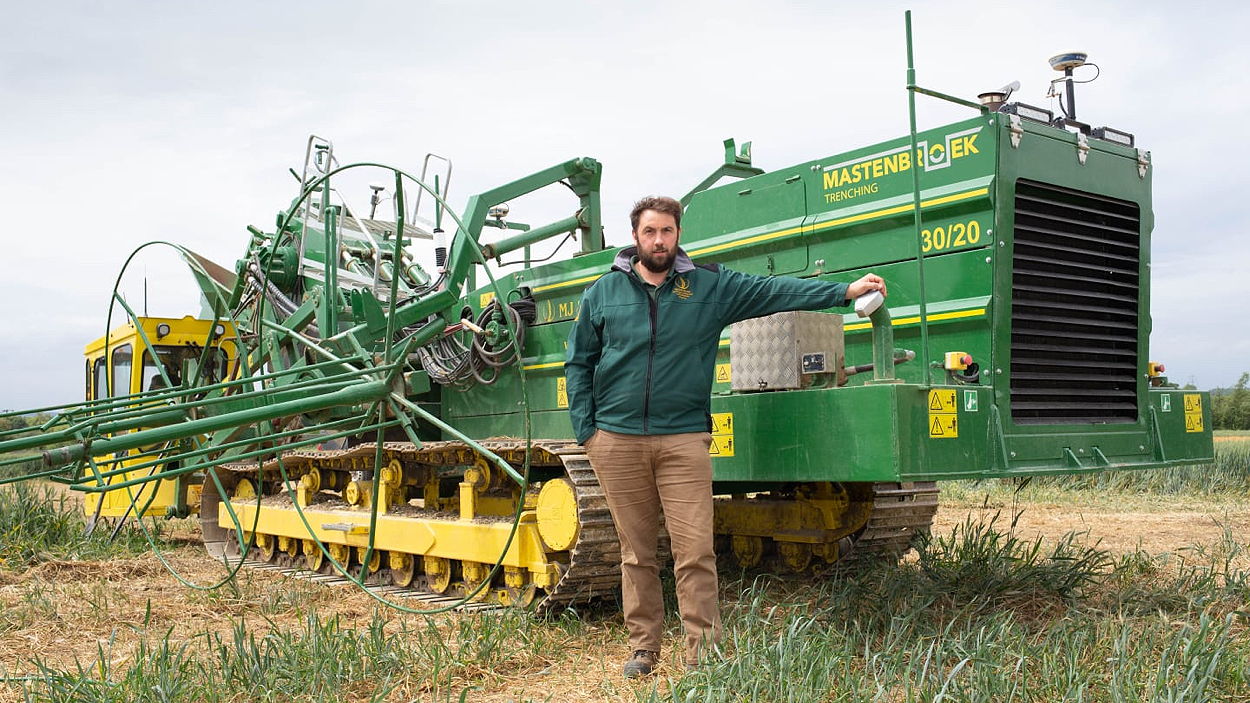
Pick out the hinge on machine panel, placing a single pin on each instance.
(1082, 147)
(1017, 130)
(1143, 162)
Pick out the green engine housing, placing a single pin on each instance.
(1036, 264)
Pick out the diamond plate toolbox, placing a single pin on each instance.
(768, 353)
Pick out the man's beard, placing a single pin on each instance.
(656, 262)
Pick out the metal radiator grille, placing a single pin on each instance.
(1074, 296)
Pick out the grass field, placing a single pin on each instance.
(997, 606)
(1227, 481)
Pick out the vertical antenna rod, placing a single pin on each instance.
(1071, 91)
(915, 181)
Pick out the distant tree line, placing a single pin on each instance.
(1230, 408)
(20, 422)
(16, 422)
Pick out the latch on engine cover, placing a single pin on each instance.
(1017, 130)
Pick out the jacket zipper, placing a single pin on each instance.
(652, 305)
(653, 309)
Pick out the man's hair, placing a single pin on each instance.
(661, 204)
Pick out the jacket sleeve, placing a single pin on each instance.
(585, 346)
(743, 296)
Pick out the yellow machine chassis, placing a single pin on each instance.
(444, 520)
(472, 541)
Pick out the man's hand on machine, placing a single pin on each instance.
(867, 284)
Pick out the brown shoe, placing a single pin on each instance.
(641, 664)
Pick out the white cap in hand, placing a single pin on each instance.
(868, 303)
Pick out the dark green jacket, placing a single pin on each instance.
(641, 358)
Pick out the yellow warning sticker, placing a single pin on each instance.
(562, 392)
(721, 446)
(943, 425)
(1193, 412)
(942, 400)
(484, 299)
(722, 434)
(1193, 422)
(723, 373)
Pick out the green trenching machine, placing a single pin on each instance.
(410, 427)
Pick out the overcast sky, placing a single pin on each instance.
(125, 122)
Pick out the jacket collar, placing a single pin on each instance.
(625, 260)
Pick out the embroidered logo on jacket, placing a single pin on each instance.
(681, 288)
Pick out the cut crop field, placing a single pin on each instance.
(1103, 588)
(1122, 531)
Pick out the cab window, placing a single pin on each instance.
(172, 358)
(99, 389)
(123, 357)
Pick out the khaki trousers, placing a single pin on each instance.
(639, 474)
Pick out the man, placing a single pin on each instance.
(639, 368)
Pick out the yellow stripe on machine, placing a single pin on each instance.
(914, 319)
(935, 317)
(551, 365)
(566, 284)
(850, 219)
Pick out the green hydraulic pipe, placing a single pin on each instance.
(407, 315)
(398, 256)
(538, 234)
(24, 430)
(882, 345)
(158, 419)
(151, 400)
(10, 461)
(49, 474)
(465, 250)
(44, 409)
(268, 439)
(948, 98)
(191, 468)
(97, 406)
(329, 321)
(352, 395)
(149, 417)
